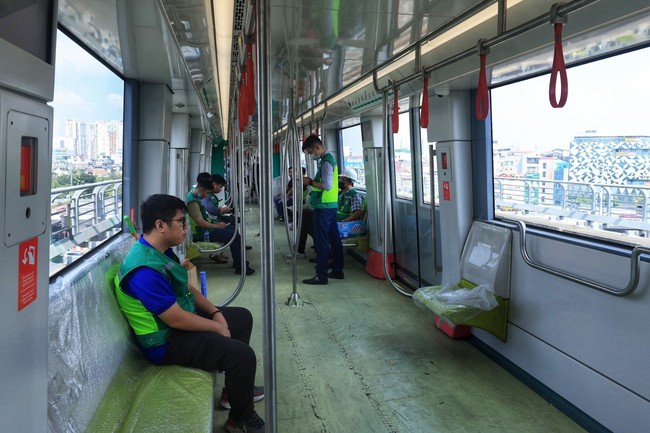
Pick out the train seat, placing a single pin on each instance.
(481, 298)
(98, 379)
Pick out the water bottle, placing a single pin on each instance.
(204, 283)
(206, 236)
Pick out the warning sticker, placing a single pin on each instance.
(27, 273)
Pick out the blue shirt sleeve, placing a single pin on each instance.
(209, 206)
(326, 175)
(151, 288)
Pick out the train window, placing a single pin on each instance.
(584, 168)
(402, 157)
(353, 153)
(87, 148)
(427, 170)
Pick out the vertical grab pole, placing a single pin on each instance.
(387, 217)
(266, 218)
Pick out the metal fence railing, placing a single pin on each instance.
(623, 208)
(82, 217)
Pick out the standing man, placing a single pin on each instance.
(324, 200)
(175, 324)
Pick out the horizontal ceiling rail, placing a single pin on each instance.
(544, 19)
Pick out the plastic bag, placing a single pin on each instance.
(457, 304)
(480, 297)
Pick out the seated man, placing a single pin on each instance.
(217, 232)
(175, 324)
(211, 202)
(351, 205)
(277, 198)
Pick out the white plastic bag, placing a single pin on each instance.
(480, 297)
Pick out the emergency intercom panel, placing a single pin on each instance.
(443, 152)
(26, 168)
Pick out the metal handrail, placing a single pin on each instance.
(634, 267)
(386, 216)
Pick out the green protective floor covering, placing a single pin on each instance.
(145, 398)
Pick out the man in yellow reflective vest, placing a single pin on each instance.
(324, 200)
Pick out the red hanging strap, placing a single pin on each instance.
(317, 127)
(395, 111)
(242, 109)
(482, 106)
(559, 68)
(241, 115)
(424, 107)
(250, 80)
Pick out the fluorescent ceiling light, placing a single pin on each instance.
(223, 24)
(471, 22)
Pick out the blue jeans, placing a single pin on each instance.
(326, 236)
(279, 207)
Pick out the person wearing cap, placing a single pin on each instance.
(218, 231)
(324, 200)
(351, 202)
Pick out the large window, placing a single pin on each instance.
(87, 154)
(584, 168)
(353, 153)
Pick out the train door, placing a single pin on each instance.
(414, 229)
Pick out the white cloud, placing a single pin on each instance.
(116, 100)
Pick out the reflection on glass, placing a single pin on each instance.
(87, 154)
(95, 24)
(403, 167)
(427, 170)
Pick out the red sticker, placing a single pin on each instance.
(27, 272)
(446, 193)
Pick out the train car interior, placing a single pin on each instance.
(489, 161)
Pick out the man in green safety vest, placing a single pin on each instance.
(175, 324)
(324, 200)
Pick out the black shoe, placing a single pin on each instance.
(254, 424)
(249, 270)
(312, 260)
(336, 275)
(315, 281)
(248, 247)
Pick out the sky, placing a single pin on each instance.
(610, 96)
(84, 89)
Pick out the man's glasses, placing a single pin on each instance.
(182, 221)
